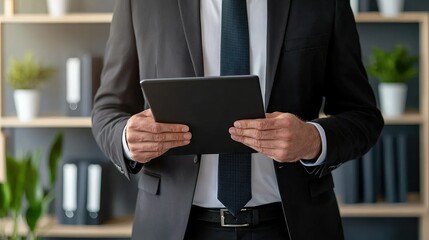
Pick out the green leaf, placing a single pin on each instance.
(33, 214)
(33, 187)
(26, 73)
(5, 199)
(395, 66)
(55, 153)
(16, 171)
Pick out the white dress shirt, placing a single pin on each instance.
(264, 184)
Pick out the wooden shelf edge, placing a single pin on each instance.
(405, 17)
(370, 17)
(47, 122)
(69, 18)
(382, 210)
(409, 117)
(120, 228)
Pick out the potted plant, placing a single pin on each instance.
(393, 69)
(25, 76)
(390, 8)
(58, 8)
(24, 181)
(354, 4)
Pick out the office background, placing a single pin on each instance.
(53, 44)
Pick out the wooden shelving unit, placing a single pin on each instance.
(383, 210)
(48, 227)
(413, 208)
(47, 122)
(70, 18)
(420, 118)
(122, 227)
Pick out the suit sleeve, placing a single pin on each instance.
(354, 123)
(119, 95)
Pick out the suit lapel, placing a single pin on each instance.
(278, 13)
(191, 21)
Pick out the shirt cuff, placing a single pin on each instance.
(322, 156)
(127, 151)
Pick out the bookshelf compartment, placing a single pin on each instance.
(381, 228)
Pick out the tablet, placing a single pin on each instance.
(208, 105)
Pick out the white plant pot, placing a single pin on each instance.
(27, 104)
(390, 8)
(354, 4)
(393, 97)
(58, 8)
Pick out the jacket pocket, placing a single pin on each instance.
(149, 182)
(321, 185)
(306, 43)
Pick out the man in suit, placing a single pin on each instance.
(305, 52)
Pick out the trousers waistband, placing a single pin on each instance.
(250, 216)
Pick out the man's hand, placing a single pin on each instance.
(148, 139)
(280, 136)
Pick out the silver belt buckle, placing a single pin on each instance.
(222, 219)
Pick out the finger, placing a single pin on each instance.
(255, 143)
(275, 154)
(157, 147)
(140, 154)
(257, 134)
(154, 127)
(260, 124)
(158, 137)
(167, 127)
(273, 121)
(144, 122)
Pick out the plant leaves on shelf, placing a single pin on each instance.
(16, 173)
(26, 73)
(396, 66)
(33, 214)
(55, 153)
(5, 199)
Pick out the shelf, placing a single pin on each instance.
(116, 228)
(69, 18)
(47, 122)
(412, 208)
(382, 210)
(406, 17)
(85, 122)
(372, 17)
(408, 118)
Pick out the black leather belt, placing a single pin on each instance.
(247, 217)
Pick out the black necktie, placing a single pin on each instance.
(234, 177)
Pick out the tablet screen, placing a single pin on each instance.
(208, 105)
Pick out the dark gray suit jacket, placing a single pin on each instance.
(313, 54)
